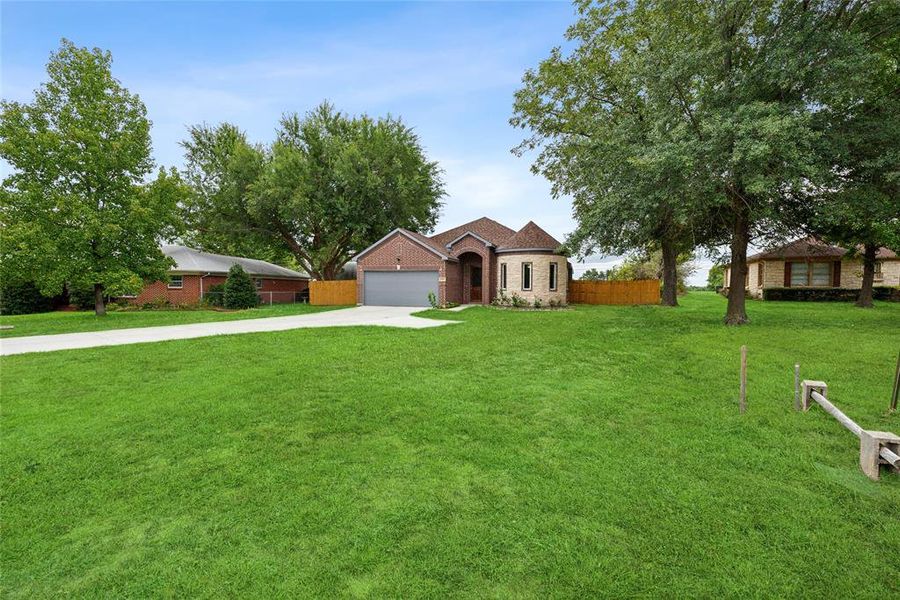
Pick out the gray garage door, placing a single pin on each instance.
(399, 288)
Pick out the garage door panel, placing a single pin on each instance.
(399, 288)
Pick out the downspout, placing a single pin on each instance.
(201, 285)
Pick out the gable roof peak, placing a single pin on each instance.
(484, 227)
(531, 237)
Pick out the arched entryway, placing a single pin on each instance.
(474, 283)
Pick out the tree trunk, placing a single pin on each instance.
(736, 313)
(669, 272)
(99, 305)
(864, 300)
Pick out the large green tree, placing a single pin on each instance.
(723, 95)
(329, 186)
(860, 205)
(75, 209)
(617, 149)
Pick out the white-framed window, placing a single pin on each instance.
(503, 276)
(821, 274)
(259, 283)
(176, 282)
(879, 271)
(526, 277)
(810, 274)
(554, 276)
(799, 274)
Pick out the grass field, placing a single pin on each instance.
(596, 451)
(68, 322)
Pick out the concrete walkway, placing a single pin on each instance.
(389, 316)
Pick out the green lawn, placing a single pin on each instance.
(68, 322)
(596, 451)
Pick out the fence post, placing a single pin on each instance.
(796, 387)
(896, 385)
(743, 401)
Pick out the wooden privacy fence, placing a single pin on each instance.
(329, 293)
(644, 291)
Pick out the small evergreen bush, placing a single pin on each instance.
(240, 292)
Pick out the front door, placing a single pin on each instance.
(475, 284)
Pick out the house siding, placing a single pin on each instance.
(284, 290)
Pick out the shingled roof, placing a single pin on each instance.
(428, 241)
(530, 237)
(810, 247)
(189, 260)
(490, 230)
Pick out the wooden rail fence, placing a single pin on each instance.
(332, 293)
(644, 291)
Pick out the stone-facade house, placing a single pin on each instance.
(468, 264)
(810, 263)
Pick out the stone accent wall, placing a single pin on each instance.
(399, 253)
(852, 272)
(540, 274)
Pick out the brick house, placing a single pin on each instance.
(810, 263)
(468, 264)
(195, 272)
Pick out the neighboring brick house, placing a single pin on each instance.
(195, 272)
(810, 263)
(468, 264)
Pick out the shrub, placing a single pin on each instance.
(158, 303)
(432, 300)
(215, 295)
(890, 294)
(23, 299)
(518, 301)
(538, 303)
(240, 292)
(501, 299)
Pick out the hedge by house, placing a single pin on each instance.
(240, 291)
(890, 294)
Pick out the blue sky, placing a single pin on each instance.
(449, 69)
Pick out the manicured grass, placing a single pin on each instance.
(597, 451)
(69, 322)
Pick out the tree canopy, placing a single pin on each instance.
(682, 123)
(76, 209)
(860, 203)
(327, 187)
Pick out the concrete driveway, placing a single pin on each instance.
(388, 316)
